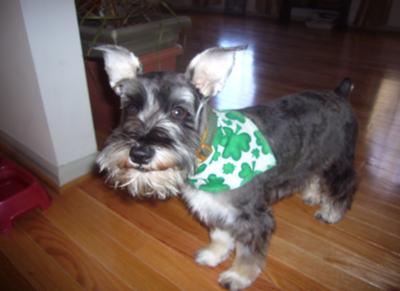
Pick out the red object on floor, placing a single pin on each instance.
(20, 192)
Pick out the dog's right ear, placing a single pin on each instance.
(120, 64)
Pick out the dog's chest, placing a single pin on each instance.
(209, 207)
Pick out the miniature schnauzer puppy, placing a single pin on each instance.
(229, 166)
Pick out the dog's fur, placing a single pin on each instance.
(152, 152)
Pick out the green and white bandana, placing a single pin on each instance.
(239, 153)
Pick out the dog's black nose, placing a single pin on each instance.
(141, 154)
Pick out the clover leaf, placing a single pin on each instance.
(237, 144)
(247, 173)
(261, 141)
(236, 116)
(222, 136)
(200, 169)
(228, 168)
(214, 184)
(256, 153)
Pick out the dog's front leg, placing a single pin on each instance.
(252, 237)
(222, 243)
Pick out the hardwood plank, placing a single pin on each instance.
(83, 268)
(288, 278)
(375, 219)
(338, 256)
(304, 220)
(389, 210)
(11, 278)
(40, 270)
(86, 230)
(129, 239)
(172, 214)
(356, 228)
(312, 265)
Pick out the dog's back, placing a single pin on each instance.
(313, 136)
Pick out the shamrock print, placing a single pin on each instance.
(239, 153)
(200, 169)
(237, 144)
(236, 116)
(247, 172)
(214, 184)
(256, 153)
(228, 168)
(261, 141)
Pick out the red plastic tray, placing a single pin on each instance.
(20, 192)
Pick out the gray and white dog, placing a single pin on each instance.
(167, 131)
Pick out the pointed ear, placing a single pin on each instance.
(209, 70)
(119, 63)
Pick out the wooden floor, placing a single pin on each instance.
(95, 238)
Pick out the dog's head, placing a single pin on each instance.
(152, 150)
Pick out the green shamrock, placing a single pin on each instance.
(256, 153)
(200, 169)
(247, 173)
(228, 168)
(227, 121)
(237, 144)
(236, 116)
(215, 156)
(222, 136)
(214, 184)
(261, 141)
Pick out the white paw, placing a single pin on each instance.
(233, 281)
(311, 200)
(330, 217)
(207, 257)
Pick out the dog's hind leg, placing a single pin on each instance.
(222, 243)
(340, 183)
(311, 192)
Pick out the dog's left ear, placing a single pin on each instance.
(120, 63)
(209, 70)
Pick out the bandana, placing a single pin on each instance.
(236, 152)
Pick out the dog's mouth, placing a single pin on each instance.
(150, 168)
(141, 168)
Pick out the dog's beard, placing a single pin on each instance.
(163, 177)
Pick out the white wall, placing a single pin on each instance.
(44, 107)
(22, 115)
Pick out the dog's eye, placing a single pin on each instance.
(178, 113)
(132, 109)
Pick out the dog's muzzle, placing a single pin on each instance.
(141, 155)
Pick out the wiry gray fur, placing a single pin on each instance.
(153, 150)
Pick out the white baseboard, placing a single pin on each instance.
(59, 175)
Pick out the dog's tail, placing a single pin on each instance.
(344, 88)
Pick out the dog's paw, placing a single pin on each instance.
(327, 217)
(232, 280)
(207, 257)
(311, 200)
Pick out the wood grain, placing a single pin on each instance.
(10, 278)
(96, 238)
(86, 270)
(39, 269)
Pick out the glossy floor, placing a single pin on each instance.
(93, 238)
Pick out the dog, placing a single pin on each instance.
(169, 142)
